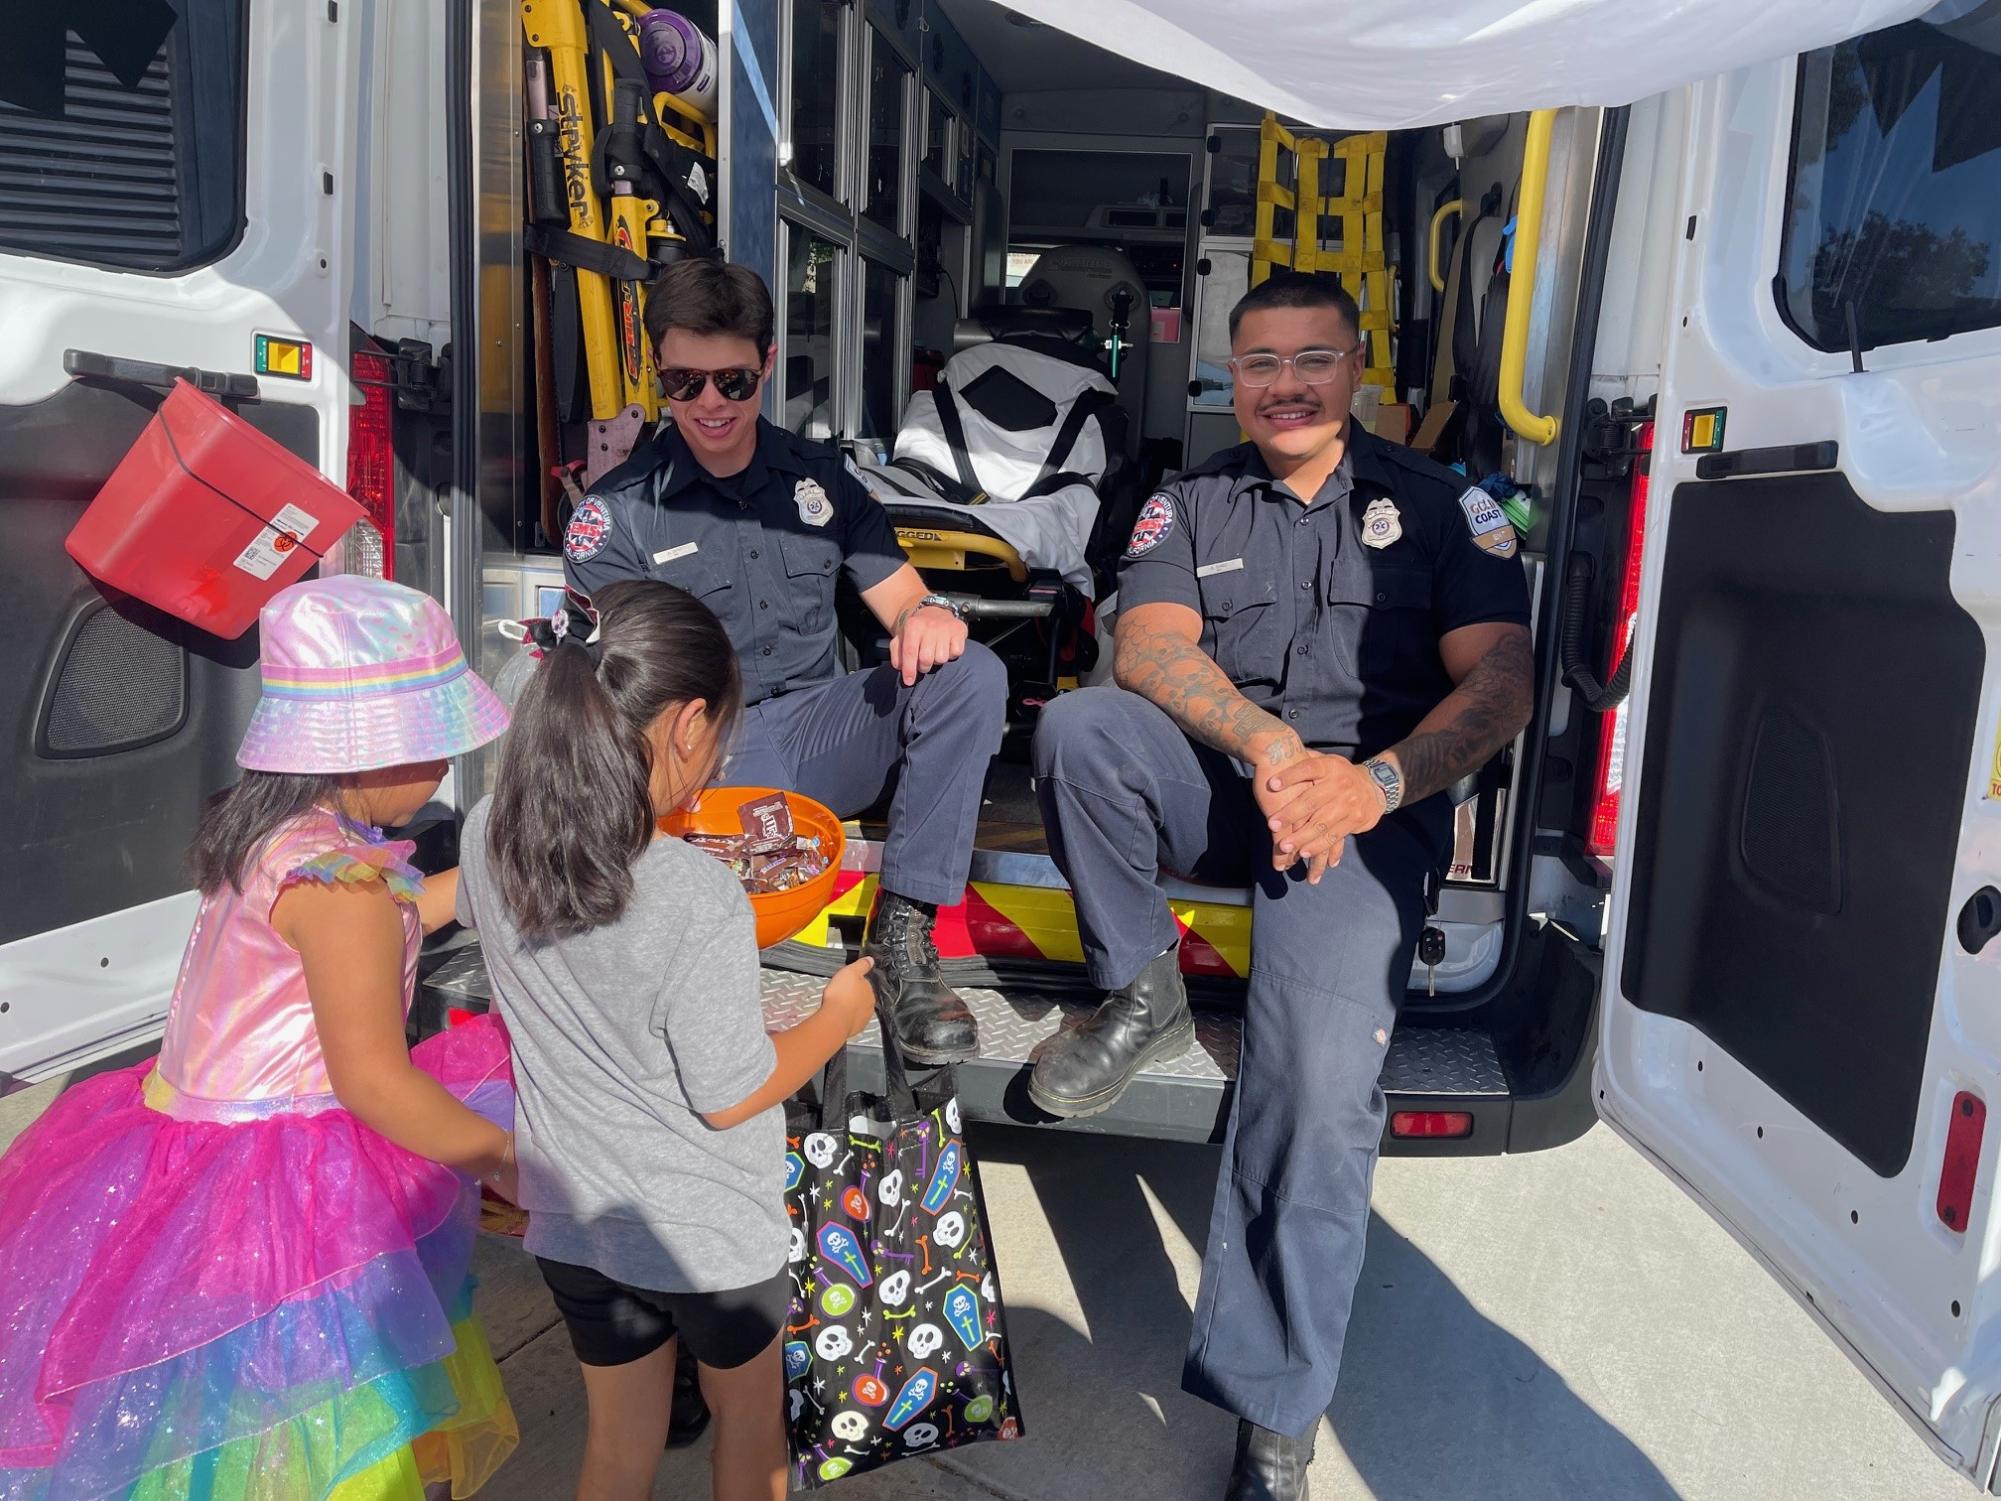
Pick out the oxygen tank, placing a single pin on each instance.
(679, 59)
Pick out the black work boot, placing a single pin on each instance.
(1270, 1466)
(1085, 1070)
(928, 1019)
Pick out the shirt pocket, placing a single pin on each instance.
(1389, 609)
(1240, 613)
(810, 561)
(697, 575)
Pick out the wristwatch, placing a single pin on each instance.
(943, 602)
(1388, 778)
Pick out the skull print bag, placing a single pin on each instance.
(897, 1342)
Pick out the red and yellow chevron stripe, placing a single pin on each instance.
(1001, 921)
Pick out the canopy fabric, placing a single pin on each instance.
(1396, 64)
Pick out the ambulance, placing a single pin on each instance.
(1709, 302)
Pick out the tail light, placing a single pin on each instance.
(1434, 1125)
(371, 467)
(1612, 726)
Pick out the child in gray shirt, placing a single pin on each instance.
(649, 1128)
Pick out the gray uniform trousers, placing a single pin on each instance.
(843, 742)
(1125, 795)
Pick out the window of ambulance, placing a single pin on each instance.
(1893, 228)
(147, 179)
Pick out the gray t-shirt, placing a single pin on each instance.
(623, 1037)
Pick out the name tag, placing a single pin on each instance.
(1210, 570)
(672, 553)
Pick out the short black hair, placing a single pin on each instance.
(1297, 289)
(710, 297)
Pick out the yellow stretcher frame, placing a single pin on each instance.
(618, 358)
(950, 551)
(557, 27)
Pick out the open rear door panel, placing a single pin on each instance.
(1802, 1016)
(168, 222)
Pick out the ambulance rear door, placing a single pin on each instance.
(175, 193)
(1802, 1018)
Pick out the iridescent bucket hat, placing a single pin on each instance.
(360, 673)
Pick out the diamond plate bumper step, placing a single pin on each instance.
(1433, 1067)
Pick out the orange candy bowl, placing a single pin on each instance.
(779, 914)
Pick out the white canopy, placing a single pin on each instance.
(1394, 64)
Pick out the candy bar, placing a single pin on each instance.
(767, 824)
(766, 863)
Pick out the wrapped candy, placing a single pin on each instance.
(766, 862)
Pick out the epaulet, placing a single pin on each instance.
(805, 451)
(1421, 466)
(1225, 461)
(645, 460)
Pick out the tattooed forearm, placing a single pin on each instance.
(1177, 675)
(1482, 714)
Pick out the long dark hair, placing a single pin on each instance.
(238, 819)
(574, 808)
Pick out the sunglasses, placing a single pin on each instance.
(738, 383)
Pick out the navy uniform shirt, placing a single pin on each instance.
(759, 548)
(1329, 615)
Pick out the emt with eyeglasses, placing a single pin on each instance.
(1319, 632)
(755, 522)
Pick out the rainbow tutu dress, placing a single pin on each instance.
(217, 1283)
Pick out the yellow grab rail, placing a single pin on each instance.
(1456, 206)
(1532, 426)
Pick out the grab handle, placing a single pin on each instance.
(1438, 218)
(1533, 426)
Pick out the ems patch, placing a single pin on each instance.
(1489, 524)
(814, 507)
(589, 530)
(1155, 525)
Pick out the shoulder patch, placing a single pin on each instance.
(1491, 530)
(1154, 526)
(589, 531)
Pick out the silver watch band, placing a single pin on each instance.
(1389, 779)
(943, 602)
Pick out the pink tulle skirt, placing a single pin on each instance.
(267, 1307)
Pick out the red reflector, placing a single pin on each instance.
(1433, 1123)
(1612, 747)
(1962, 1159)
(371, 465)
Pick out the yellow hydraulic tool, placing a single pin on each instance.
(557, 26)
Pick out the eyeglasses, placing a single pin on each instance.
(1315, 367)
(738, 383)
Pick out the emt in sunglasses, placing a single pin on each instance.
(755, 521)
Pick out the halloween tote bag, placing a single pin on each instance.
(897, 1341)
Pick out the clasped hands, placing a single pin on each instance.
(1312, 802)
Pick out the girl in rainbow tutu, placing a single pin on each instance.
(241, 1271)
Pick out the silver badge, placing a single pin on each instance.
(814, 507)
(1381, 524)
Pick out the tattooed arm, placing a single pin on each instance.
(1324, 799)
(1157, 653)
(1494, 676)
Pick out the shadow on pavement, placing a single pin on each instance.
(1436, 1401)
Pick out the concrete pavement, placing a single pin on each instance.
(1563, 1326)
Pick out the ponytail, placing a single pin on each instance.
(574, 806)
